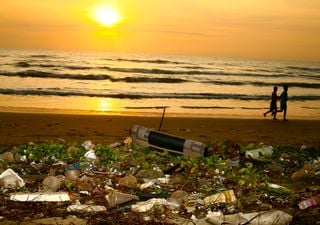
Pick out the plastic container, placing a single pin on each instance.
(150, 138)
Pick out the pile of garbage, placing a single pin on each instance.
(126, 183)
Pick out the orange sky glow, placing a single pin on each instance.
(273, 29)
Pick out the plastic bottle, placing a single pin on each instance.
(308, 203)
(149, 138)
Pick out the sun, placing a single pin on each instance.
(106, 16)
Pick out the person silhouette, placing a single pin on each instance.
(283, 102)
(273, 104)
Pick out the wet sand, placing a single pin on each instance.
(21, 128)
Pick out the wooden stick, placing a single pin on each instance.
(164, 110)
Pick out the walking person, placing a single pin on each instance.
(283, 102)
(273, 104)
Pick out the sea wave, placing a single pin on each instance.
(142, 79)
(59, 92)
(188, 70)
(152, 61)
(313, 69)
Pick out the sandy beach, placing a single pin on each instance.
(21, 128)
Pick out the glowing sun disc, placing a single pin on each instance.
(106, 16)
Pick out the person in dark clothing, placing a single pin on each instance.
(273, 104)
(283, 102)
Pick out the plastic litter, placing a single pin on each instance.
(128, 181)
(51, 183)
(178, 199)
(308, 203)
(90, 155)
(41, 197)
(115, 198)
(150, 138)
(223, 197)
(308, 171)
(7, 156)
(272, 217)
(259, 153)
(88, 145)
(143, 207)
(72, 174)
(9, 178)
(86, 208)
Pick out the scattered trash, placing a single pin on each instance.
(115, 198)
(259, 153)
(86, 208)
(158, 140)
(223, 197)
(113, 181)
(272, 217)
(41, 197)
(9, 178)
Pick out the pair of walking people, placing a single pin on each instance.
(283, 103)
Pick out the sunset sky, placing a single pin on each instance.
(276, 29)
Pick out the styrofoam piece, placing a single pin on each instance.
(41, 197)
(11, 178)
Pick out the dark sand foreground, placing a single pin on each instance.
(21, 128)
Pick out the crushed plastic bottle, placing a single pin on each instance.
(308, 203)
(259, 153)
(272, 217)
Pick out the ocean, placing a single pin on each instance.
(132, 84)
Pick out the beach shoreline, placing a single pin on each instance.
(21, 128)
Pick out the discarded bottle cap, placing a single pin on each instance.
(149, 138)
